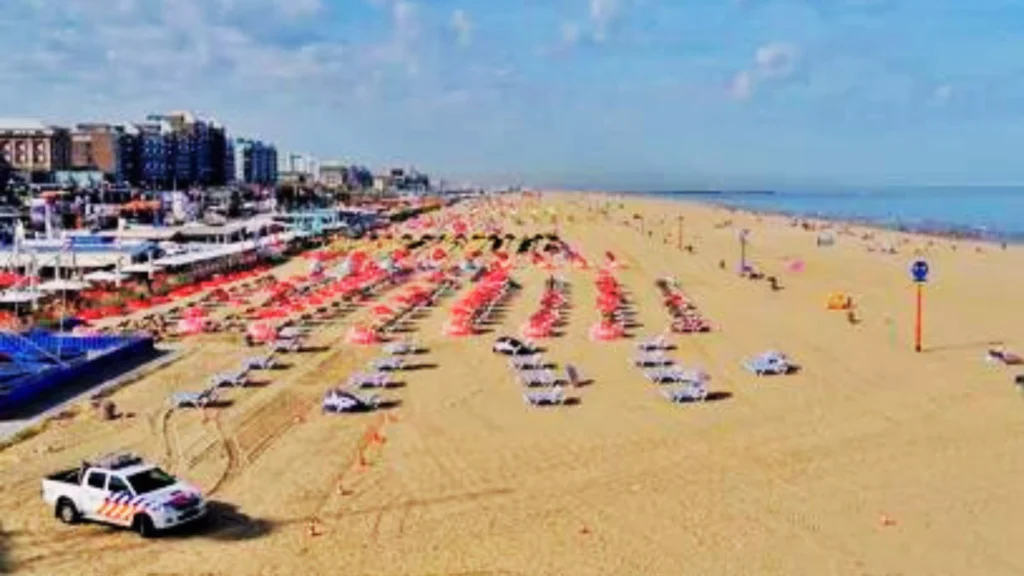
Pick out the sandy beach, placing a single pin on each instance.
(871, 460)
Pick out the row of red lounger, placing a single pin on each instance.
(686, 318)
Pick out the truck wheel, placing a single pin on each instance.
(66, 511)
(144, 526)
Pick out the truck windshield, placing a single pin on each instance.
(150, 481)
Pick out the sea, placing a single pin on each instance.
(988, 213)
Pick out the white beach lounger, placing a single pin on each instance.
(534, 378)
(266, 362)
(532, 362)
(388, 363)
(400, 348)
(236, 378)
(285, 345)
(193, 399)
(650, 359)
(675, 374)
(692, 392)
(658, 343)
(340, 401)
(368, 380)
(550, 397)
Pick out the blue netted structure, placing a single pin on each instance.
(39, 363)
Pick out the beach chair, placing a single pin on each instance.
(1001, 356)
(768, 363)
(553, 396)
(400, 348)
(532, 362)
(572, 376)
(281, 346)
(368, 380)
(514, 346)
(655, 344)
(267, 362)
(535, 378)
(194, 399)
(650, 359)
(341, 401)
(675, 374)
(690, 323)
(292, 333)
(237, 378)
(692, 392)
(388, 363)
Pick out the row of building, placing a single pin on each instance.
(176, 150)
(171, 150)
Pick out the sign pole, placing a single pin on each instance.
(917, 319)
(919, 273)
(743, 252)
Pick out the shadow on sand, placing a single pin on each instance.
(224, 522)
(981, 345)
(718, 396)
(419, 366)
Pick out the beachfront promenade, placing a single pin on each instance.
(871, 459)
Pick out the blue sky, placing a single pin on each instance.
(577, 93)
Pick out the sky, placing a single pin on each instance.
(613, 94)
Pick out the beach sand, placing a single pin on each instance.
(872, 460)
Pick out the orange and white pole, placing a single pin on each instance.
(918, 317)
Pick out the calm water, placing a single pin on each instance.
(986, 212)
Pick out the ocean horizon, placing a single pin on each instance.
(983, 212)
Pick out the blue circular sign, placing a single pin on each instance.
(919, 271)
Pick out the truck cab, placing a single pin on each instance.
(123, 490)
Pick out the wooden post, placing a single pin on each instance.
(679, 234)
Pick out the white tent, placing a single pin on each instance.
(104, 276)
(142, 268)
(62, 285)
(19, 296)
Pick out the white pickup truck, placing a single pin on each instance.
(122, 490)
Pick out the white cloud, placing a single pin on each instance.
(299, 8)
(772, 62)
(259, 65)
(941, 95)
(596, 24)
(400, 48)
(463, 27)
(602, 12)
(776, 60)
(570, 33)
(742, 85)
